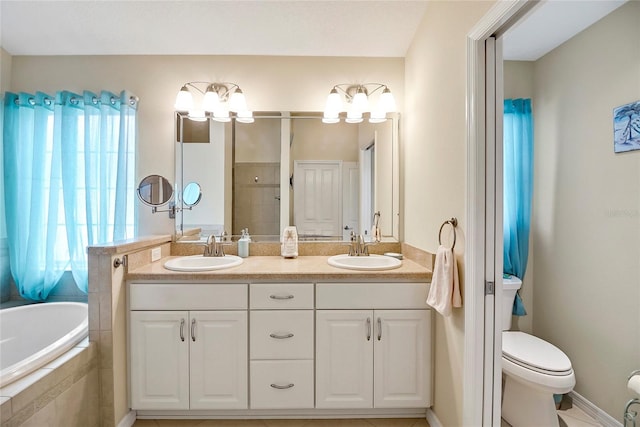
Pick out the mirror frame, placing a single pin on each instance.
(160, 179)
(394, 215)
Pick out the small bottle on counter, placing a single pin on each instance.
(243, 243)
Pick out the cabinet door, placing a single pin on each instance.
(219, 359)
(344, 358)
(402, 354)
(159, 360)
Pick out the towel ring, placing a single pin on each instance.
(454, 223)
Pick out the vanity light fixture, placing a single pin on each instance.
(219, 101)
(357, 98)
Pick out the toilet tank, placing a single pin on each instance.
(510, 286)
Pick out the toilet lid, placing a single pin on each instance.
(534, 353)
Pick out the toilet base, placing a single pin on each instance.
(528, 405)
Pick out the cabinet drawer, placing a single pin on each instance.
(286, 384)
(281, 296)
(355, 296)
(169, 296)
(281, 334)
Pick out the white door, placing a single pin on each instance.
(350, 199)
(344, 359)
(159, 360)
(219, 359)
(317, 197)
(402, 357)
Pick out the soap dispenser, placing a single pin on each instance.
(243, 243)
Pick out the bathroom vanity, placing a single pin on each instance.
(279, 337)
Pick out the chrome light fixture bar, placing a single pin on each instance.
(358, 102)
(219, 100)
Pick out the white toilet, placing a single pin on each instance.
(534, 370)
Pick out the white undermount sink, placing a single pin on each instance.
(369, 263)
(202, 263)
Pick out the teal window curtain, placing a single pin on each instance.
(68, 180)
(518, 189)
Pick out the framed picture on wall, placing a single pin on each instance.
(626, 127)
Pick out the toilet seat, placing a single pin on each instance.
(535, 354)
(528, 359)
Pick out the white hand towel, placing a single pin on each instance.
(444, 292)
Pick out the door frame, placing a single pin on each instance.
(482, 356)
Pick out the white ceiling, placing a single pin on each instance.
(260, 27)
(550, 24)
(212, 27)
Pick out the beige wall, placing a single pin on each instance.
(282, 84)
(314, 140)
(518, 83)
(586, 217)
(434, 166)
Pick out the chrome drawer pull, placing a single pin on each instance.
(281, 296)
(281, 337)
(182, 329)
(379, 329)
(281, 387)
(368, 329)
(193, 330)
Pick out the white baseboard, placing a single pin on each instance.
(432, 419)
(593, 411)
(128, 420)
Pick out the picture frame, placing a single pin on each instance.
(626, 127)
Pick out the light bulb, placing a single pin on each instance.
(245, 117)
(387, 103)
(184, 100)
(211, 100)
(237, 102)
(334, 103)
(360, 101)
(353, 116)
(197, 115)
(221, 114)
(377, 116)
(330, 117)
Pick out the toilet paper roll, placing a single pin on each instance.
(634, 385)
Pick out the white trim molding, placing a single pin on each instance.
(432, 419)
(128, 420)
(593, 411)
(502, 15)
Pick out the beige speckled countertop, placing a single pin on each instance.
(277, 268)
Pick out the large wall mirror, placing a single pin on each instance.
(289, 168)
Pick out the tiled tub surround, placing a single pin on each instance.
(107, 302)
(64, 393)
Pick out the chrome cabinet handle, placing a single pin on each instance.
(181, 329)
(281, 296)
(193, 330)
(281, 337)
(281, 387)
(368, 329)
(379, 329)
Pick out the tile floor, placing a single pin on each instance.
(378, 422)
(572, 417)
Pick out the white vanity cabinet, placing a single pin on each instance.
(292, 349)
(188, 346)
(373, 346)
(281, 342)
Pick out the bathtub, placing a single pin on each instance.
(33, 335)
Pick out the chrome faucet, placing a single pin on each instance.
(214, 248)
(358, 247)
